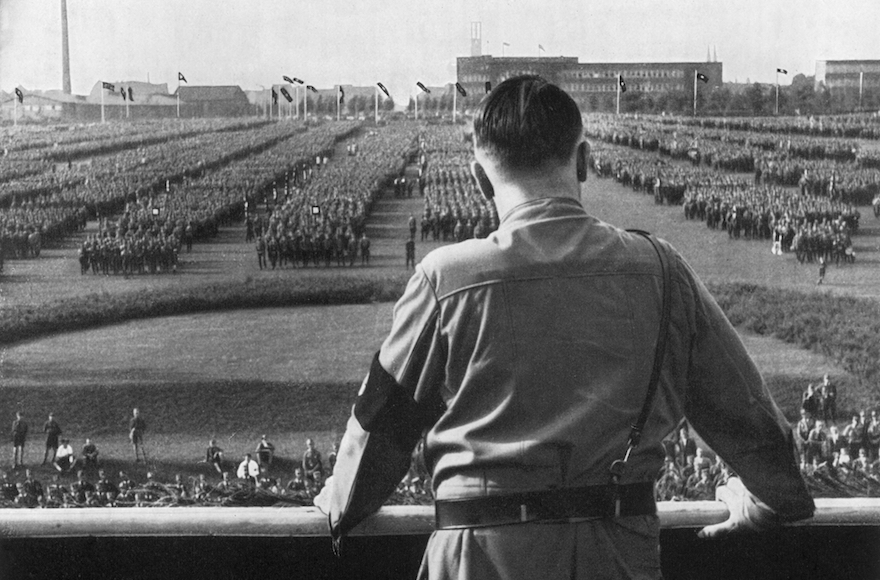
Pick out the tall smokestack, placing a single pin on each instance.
(65, 50)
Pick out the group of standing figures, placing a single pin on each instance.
(300, 250)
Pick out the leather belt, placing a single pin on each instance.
(592, 502)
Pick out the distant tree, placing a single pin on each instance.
(411, 105)
(718, 100)
(388, 104)
(756, 99)
(801, 94)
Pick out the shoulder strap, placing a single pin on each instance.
(635, 433)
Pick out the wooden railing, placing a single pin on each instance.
(309, 522)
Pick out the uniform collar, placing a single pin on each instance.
(543, 208)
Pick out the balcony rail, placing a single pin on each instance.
(309, 522)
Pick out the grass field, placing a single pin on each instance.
(292, 373)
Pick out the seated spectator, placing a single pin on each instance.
(32, 490)
(106, 489)
(816, 444)
(311, 461)
(265, 453)
(82, 487)
(64, 458)
(202, 488)
(248, 470)
(90, 454)
(298, 485)
(224, 484)
(214, 456)
(8, 489)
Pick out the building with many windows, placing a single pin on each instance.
(584, 80)
(848, 74)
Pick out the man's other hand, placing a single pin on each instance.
(747, 512)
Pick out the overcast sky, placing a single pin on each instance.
(254, 42)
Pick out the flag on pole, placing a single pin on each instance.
(288, 79)
(384, 90)
(274, 97)
(298, 81)
(782, 70)
(505, 44)
(124, 95)
(180, 77)
(341, 95)
(488, 87)
(423, 87)
(108, 86)
(311, 88)
(541, 48)
(702, 77)
(286, 95)
(19, 94)
(622, 83)
(461, 90)
(130, 95)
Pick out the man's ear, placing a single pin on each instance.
(483, 183)
(583, 153)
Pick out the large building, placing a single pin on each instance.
(583, 80)
(848, 74)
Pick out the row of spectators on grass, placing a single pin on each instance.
(691, 473)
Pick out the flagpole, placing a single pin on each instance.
(15, 111)
(618, 93)
(861, 82)
(377, 104)
(306, 106)
(337, 102)
(127, 113)
(102, 103)
(454, 103)
(695, 92)
(777, 92)
(417, 106)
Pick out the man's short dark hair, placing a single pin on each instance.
(526, 122)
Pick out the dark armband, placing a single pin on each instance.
(387, 408)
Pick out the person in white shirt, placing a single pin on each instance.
(64, 458)
(248, 469)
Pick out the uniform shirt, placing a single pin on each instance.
(539, 340)
(530, 352)
(248, 469)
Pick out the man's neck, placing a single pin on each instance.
(510, 194)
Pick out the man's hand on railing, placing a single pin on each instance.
(747, 512)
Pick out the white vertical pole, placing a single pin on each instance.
(861, 82)
(417, 106)
(454, 102)
(777, 91)
(377, 104)
(102, 104)
(15, 111)
(306, 105)
(695, 92)
(178, 100)
(338, 87)
(618, 93)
